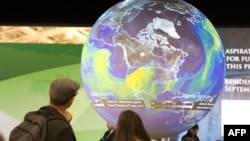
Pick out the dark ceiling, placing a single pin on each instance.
(84, 13)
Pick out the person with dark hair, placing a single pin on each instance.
(191, 134)
(62, 93)
(130, 128)
(109, 134)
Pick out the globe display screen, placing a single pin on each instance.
(162, 59)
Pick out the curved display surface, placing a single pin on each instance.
(163, 59)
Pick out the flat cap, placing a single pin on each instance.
(63, 88)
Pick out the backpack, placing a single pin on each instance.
(32, 128)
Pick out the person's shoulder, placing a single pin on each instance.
(52, 114)
(47, 108)
(197, 138)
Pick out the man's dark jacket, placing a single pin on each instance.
(58, 128)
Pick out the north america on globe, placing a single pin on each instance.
(162, 58)
(150, 45)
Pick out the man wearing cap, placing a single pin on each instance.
(62, 92)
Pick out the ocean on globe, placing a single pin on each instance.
(160, 58)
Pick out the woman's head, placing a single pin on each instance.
(130, 121)
(130, 126)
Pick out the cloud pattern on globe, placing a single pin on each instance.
(162, 58)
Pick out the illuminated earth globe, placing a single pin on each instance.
(162, 59)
